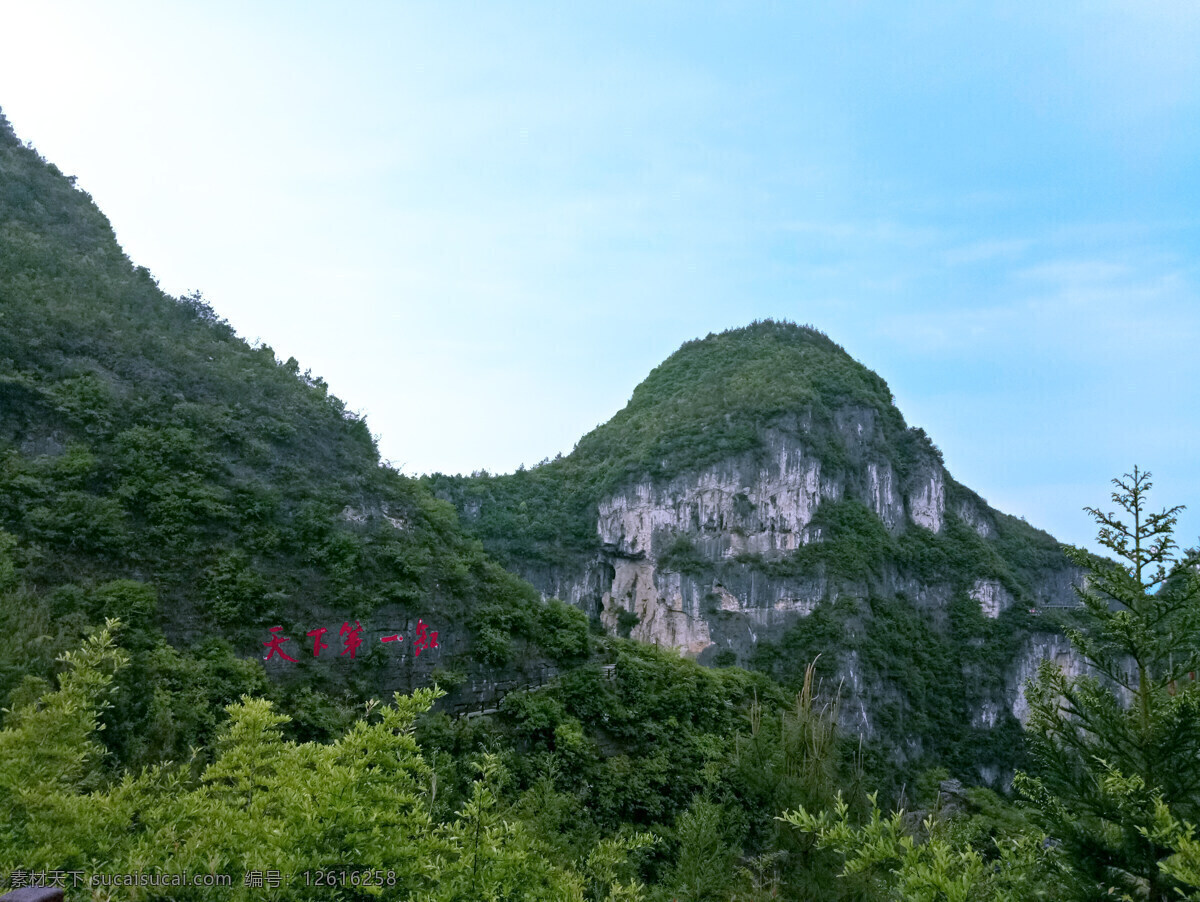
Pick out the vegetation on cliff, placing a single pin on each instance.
(167, 491)
(708, 790)
(707, 402)
(721, 399)
(157, 468)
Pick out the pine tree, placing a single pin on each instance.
(705, 867)
(1111, 744)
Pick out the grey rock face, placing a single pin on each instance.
(971, 514)
(735, 507)
(993, 598)
(762, 505)
(882, 494)
(692, 558)
(927, 499)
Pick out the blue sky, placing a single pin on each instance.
(484, 226)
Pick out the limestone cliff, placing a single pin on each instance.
(761, 500)
(737, 515)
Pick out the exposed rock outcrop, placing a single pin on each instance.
(737, 507)
(927, 499)
(759, 476)
(665, 616)
(1041, 646)
(972, 514)
(757, 504)
(993, 598)
(882, 495)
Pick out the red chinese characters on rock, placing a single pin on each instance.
(318, 645)
(424, 641)
(276, 645)
(351, 640)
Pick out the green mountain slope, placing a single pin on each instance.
(707, 402)
(141, 440)
(760, 500)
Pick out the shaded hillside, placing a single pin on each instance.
(761, 500)
(716, 399)
(142, 441)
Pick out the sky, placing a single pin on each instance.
(484, 224)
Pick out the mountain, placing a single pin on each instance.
(760, 501)
(156, 467)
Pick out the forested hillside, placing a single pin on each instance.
(155, 467)
(194, 536)
(760, 501)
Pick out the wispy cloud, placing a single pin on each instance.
(987, 251)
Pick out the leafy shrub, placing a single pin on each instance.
(562, 631)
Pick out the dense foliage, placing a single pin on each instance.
(708, 401)
(923, 666)
(438, 814)
(166, 491)
(155, 467)
(1117, 747)
(649, 778)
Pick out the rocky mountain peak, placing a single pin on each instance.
(760, 500)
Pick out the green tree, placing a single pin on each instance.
(1184, 865)
(267, 803)
(939, 866)
(490, 857)
(49, 763)
(1114, 743)
(793, 759)
(705, 866)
